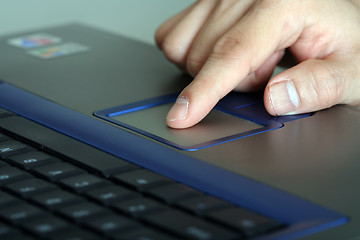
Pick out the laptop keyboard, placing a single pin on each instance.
(54, 187)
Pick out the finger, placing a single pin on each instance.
(312, 85)
(258, 79)
(163, 30)
(178, 40)
(241, 51)
(225, 15)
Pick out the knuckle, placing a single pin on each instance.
(327, 84)
(159, 37)
(336, 83)
(235, 50)
(229, 46)
(173, 51)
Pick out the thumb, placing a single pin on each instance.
(312, 85)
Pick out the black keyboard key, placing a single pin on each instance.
(4, 113)
(145, 233)
(12, 174)
(9, 233)
(4, 137)
(110, 194)
(173, 192)
(57, 171)
(46, 138)
(20, 212)
(249, 223)
(202, 204)
(83, 183)
(45, 226)
(7, 199)
(30, 187)
(111, 224)
(142, 179)
(139, 206)
(33, 159)
(82, 211)
(3, 164)
(74, 233)
(10, 148)
(189, 227)
(56, 199)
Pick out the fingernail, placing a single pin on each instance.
(284, 98)
(179, 111)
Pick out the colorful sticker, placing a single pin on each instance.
(58, 50)
(34, 40)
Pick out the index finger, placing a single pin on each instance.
(242, 50)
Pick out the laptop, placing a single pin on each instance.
(85, 152)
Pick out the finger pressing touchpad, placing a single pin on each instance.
(221, 125)
(216, 125)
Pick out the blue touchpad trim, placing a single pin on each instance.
(248, 107)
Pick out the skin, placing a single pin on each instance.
(235, 44)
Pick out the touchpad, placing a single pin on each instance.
(215, 126)
(234, 117)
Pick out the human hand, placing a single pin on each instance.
(235, 45)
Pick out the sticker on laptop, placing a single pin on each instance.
(34, 40)
(61, 50)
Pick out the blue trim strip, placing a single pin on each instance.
(301, 217)
(129, 111)
(246, 105)
(132, 107)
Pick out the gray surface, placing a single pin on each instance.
(215, 126)
(136, 19)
